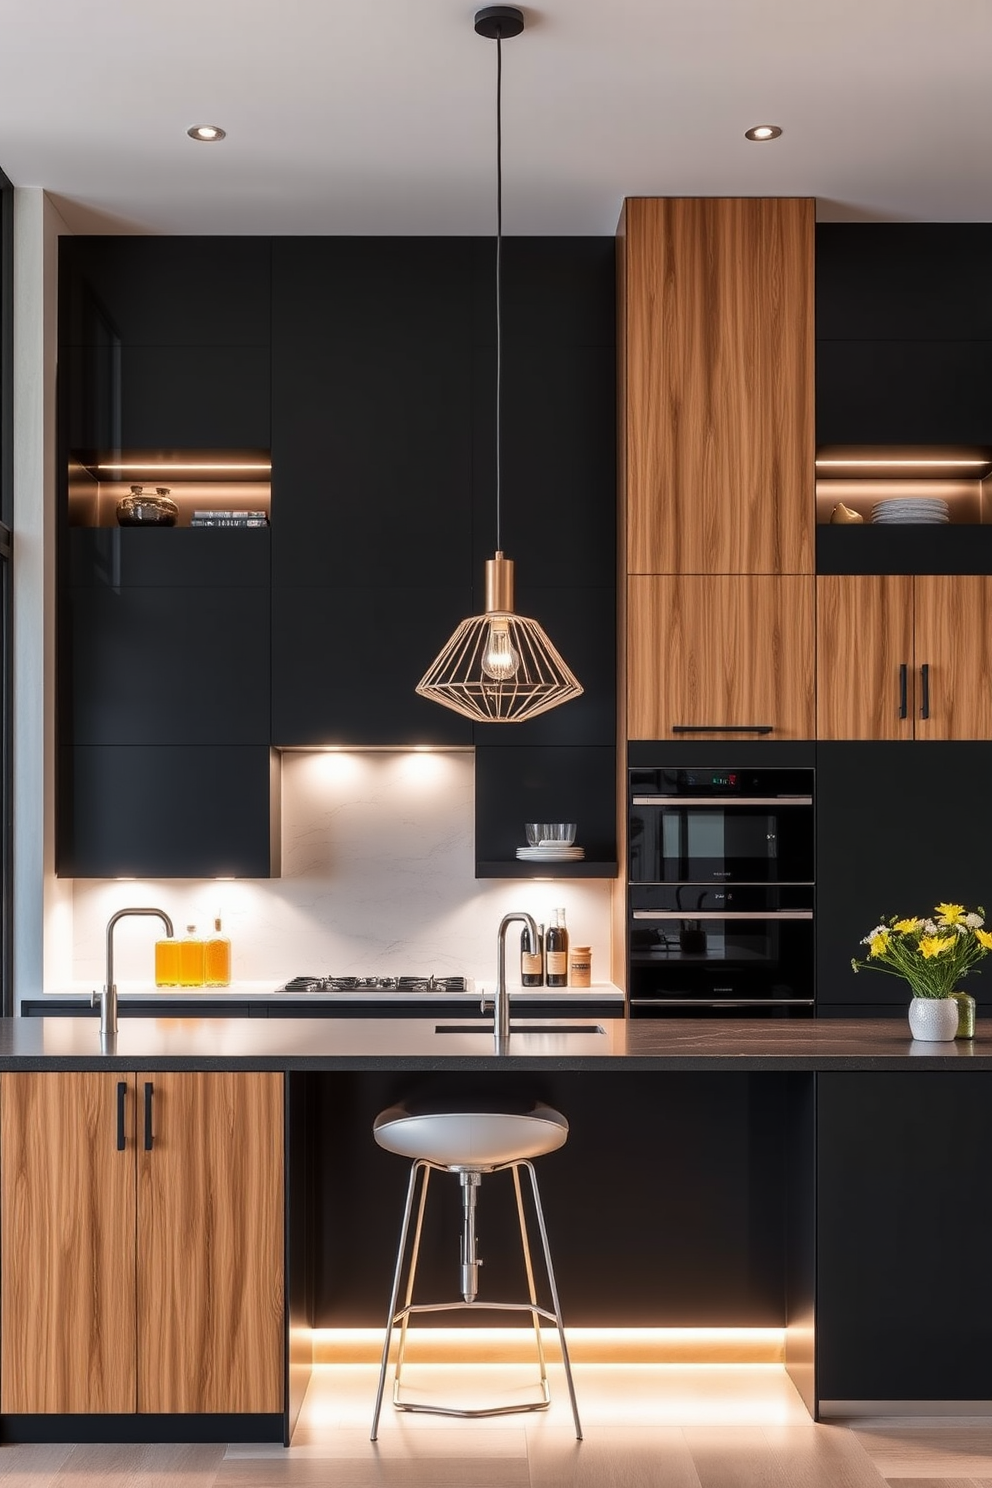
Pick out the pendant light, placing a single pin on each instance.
(499, 667)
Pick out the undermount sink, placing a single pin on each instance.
(481, 1027)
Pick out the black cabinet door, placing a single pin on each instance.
(900, 828)
(165, 342)
(372, 439)
(903, 333)
(904, 281)
(165, 812)
(164, 291)
(166, 666)
(904, 1303)
(347, 658)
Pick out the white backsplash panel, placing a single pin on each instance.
(378, 879)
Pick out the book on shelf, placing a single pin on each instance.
(229, 522)
(224, 512)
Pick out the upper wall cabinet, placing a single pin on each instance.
(904, 333)
(718, 346)
(164, 342)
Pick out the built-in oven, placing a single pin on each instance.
(721, 892)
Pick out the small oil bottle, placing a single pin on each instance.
(167, 962)
(217, 959)
(191, 959)
(556, 951)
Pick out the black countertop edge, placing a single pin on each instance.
(313, 1045)
(478, 1063)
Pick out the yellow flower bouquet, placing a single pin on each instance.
(933, 953)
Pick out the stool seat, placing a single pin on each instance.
(470, 1139)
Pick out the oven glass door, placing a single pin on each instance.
(695, 945)
(715, 841)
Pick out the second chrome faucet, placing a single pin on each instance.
(501, 997)
(108, 997)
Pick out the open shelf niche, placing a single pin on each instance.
(197, 480)
(860, 476)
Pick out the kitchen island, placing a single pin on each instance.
(718, 1173)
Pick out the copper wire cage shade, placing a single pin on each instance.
(499, 667)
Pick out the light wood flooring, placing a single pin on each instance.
(646, 1426)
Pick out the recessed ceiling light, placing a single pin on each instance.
(763, 132)
(206, 133)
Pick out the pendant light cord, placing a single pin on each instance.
(499, 280)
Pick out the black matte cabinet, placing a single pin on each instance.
(903, 333)
(165, 768)
(904, 1301)
(164, 343)
(900, 827)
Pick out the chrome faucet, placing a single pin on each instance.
(108, 997)
(501, 998)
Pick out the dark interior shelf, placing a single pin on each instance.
(515, 868)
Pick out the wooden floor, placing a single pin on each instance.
(646, 1426)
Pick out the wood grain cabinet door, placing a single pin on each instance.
(210, 1242)
(953, 646)
(67, 1238)
(865, 677)
(717, 371)
(720, 656)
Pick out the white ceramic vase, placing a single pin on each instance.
(934, 1019)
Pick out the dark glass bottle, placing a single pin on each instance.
(532, 964)
(556, 952)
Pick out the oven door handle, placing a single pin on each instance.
(723, 914)
(719, 804)
(719, 1002)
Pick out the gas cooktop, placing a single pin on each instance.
(375, 984)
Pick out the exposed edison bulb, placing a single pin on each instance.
(499, 660)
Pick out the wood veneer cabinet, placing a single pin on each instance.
(717, 437)
(719, 656)
(902, 657)
(141, 1243)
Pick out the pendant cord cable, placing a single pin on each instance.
(499, 279)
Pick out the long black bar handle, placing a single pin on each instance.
(149, 1092)
(723, 728)
(121, 1107)
(925, 680)
(903, 684)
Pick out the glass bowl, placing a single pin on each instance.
(540, 834)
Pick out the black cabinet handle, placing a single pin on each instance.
(903, 682)
(925, 680)
(149, 1092)
(722, 728)
(121, 1101)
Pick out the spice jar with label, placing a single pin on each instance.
(580, 966)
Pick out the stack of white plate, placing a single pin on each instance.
(555, 852)
(927, 509)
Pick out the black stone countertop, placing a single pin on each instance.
(412, 1044)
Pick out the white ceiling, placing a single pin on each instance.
(347, 116)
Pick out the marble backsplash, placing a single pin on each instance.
(378, 879)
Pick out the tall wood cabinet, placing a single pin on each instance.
(141, 1243)
(903, 657)
(718, 323)
(717, 461)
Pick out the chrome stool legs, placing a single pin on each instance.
(470, 1179)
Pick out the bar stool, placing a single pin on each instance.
(470, 1143)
